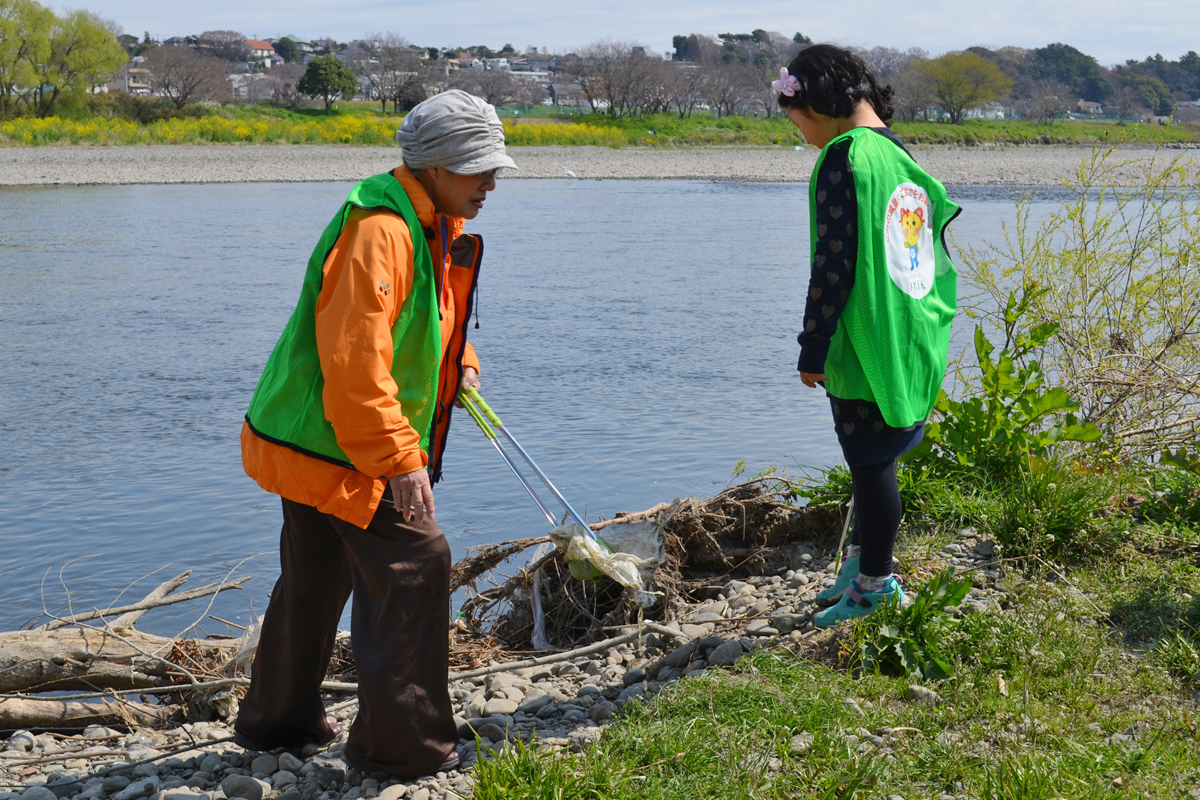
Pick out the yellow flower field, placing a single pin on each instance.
(334, 130)
(344, 129)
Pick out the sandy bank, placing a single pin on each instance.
(82, 165)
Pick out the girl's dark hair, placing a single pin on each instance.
(833, 80)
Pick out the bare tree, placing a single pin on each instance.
(183, 75)
(617, 73)
(494, 85)
(655, 95)
(685, 86)
(385, 65)
(1047, 100)
(281, 81)
(582, 73)
(1128, 104)
(911, 93)
(888, 61)
(725, 86)
(229, 45)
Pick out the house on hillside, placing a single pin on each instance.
(304, 47)
(132, 78)
(182, 41)
(259, 49)
(498, 63)
(993, 111)
(1089, 107)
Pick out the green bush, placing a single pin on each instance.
(119, 105)
(1010, 415)
(1047, 510)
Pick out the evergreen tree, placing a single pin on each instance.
(328, 78)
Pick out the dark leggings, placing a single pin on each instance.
(876, 516)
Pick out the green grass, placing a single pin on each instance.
(1094, 640)
(1068, 685)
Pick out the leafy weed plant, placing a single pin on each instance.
(909, 641)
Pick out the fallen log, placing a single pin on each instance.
(87, 658)
(56, 714)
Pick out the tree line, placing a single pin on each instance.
(47, 59)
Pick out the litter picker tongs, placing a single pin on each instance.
(482, 413)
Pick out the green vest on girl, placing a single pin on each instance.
(892, 340)
(287, 408)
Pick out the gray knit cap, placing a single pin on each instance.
(454, 130)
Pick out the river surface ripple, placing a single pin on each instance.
(639, 337)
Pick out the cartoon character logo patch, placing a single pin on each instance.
(908, 240)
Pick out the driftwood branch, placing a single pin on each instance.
(127, 619)
(649, 513)
(144, 605)
(567, 655)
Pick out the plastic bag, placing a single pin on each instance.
(628, 552)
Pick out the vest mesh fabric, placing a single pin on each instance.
(287, 406)
(892, 341)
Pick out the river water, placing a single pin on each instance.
(639, 337)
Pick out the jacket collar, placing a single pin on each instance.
(423, 205)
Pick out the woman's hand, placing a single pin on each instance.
(470, 381)
(413, 495)
(810, 379)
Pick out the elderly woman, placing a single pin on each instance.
(348, 426)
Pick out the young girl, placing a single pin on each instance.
(880, 301)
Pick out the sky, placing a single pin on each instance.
(1110, 30)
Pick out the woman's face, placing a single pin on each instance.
(457, 195)
(818, 129)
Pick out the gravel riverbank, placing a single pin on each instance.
(150, 164)
(560, 706)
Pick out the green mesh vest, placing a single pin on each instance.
(287, 408)
(891, 342)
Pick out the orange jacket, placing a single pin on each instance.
(366, 279)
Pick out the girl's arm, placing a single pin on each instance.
(833, 262)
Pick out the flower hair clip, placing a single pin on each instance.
(787, 84)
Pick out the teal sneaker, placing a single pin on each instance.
(858, 603)
(831, 594)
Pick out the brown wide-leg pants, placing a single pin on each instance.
(399, 573)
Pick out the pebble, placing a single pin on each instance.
(38, 793)
(144, 788)
(986, 548)
(800, 743)
(283, 778)
(266, 764)
(21, 741)
(245, 786)
(922, 695)
(491, 732)
(421, 794)
(498, 706)
(290, 763)
(727, 654)
(394, 792)
(853, 707)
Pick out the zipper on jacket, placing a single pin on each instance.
(438, 448)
